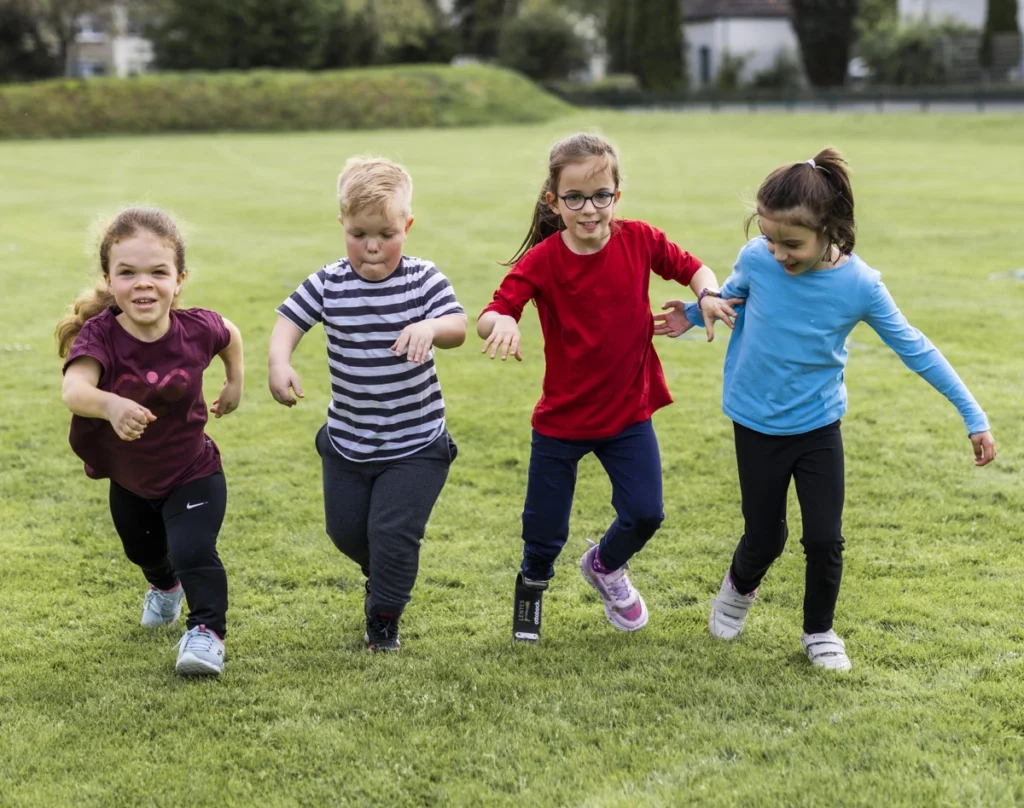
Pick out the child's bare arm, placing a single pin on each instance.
(234, 371)
(282, 378)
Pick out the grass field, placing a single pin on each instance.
(92, 714)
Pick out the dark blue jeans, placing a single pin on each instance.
(633, 464)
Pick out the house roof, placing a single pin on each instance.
(701, 10)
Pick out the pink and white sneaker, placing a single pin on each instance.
(623, 606)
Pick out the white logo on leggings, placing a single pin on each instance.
(189, 506)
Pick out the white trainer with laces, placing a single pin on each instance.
(200, 653)
(623, 605)
(161, 607)
(729, 611)
(826, 650)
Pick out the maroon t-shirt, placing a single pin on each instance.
(165, 376)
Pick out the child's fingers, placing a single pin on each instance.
(512, 347)
(709, 327)
(296, 385)
(673, 304)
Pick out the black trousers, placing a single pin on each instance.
(175, 539)
(377, 514)
(815, 461)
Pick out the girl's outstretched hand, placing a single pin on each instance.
(505, 338)
(228, 400)
(714, 308)
(674, 322)
(984, 448)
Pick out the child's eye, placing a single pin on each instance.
(573, 199)
(603, 198)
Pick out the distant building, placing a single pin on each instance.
(753, 30)
(110, 45)
(1008, 50)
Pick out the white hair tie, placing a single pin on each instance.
(811, 163)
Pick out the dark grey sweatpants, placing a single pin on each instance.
(377, 513)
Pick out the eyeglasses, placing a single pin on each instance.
(601, 199)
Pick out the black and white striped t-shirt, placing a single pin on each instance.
(382, 406)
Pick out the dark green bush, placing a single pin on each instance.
(373, 98)
(542, 44)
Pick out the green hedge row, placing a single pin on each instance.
(369, 98)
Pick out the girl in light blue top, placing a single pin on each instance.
(784, 390)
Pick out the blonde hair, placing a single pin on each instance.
(93, 301)
(374, 183)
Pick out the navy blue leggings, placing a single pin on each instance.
(633, 464)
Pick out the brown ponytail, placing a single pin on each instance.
(815, 194)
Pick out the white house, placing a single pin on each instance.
(111, 45)
(756, 30)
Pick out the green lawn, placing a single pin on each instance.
(91, 712)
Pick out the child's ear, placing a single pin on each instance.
(408, 224)
(341, 220)
(552, 200)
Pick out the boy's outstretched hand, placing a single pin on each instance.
(984, 448)
(283, 380)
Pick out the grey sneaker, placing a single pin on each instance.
(200, 653)
(160, 607)
(729, 611)
(826, 650)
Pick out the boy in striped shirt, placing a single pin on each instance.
(385, 449)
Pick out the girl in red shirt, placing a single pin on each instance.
(589, 275)
(133, 377)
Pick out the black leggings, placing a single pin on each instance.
(815, 461)
(175, 539)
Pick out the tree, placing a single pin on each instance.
(874, 13)
(1001, 18)
(646, 39)
(480, 23)
(237, 34)
(541, 44)
(24, 54)
(825, 31)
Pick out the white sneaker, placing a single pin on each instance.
(826, 650)
(160, 607)
(729, 611)
(200, 653)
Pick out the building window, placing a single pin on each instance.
(705, 65)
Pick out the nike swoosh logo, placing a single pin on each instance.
(189, 506)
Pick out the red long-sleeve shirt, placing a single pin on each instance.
(601, 371)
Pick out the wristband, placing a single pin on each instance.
(705, 292)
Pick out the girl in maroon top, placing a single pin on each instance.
(133, 377)
(588, 274)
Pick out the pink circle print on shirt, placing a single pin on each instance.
(154, 393)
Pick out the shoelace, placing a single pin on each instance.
(617, 583)
(157, 601)
(199, 637)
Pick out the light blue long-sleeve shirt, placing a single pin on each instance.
(787, 355)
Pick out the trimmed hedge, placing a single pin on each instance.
(273, 101)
